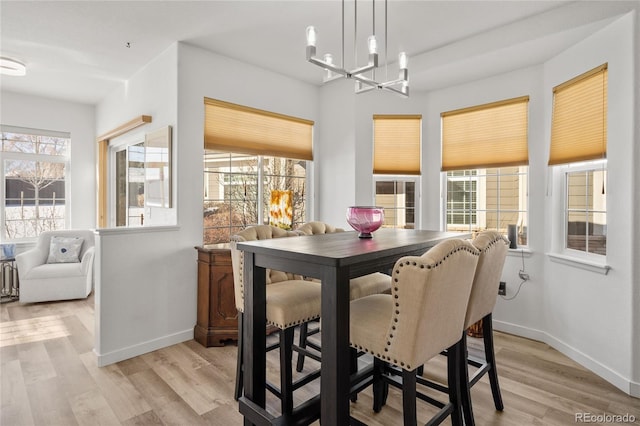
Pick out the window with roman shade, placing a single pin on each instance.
(396, 144)
(483, 136)
(578, 150)
(241, 129)
(579, 121)
(485, 157)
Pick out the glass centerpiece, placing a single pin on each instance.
(365, 219)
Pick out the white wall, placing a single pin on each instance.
(591, 317)
(635, 263)
(522, 315)
(147, 283)
(145, 277)
(335, 154)
(79, 120)
(206, 74)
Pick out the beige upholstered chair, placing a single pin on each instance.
(493, 249)
(290, 301)
(375, 283)
(423, 315)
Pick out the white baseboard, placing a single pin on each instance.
(143, 348)
(518, 330)
(626, 385)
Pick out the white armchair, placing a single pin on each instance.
(41, 281)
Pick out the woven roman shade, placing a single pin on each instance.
(396, 144)
(489, 135)
(236, 128)
(579, 122)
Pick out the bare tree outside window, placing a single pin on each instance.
(232, 200)
(34, 168)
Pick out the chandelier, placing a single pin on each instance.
(363, 82)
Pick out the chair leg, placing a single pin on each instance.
(465, 391)
(380, 387)
(239, 369)
(487, 331)
(286, 377)
(409, 398)
(453, 378)
(304, 328)
(353, 367)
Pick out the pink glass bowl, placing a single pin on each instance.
(365, 219)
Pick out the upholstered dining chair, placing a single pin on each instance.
(423, 315)
(291, 300)
(493, 249)
(375, 283)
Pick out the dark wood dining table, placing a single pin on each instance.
(334, 259)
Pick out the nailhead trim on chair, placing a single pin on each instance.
(397, 311)
(295, 322)
(280, 326)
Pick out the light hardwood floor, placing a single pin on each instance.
(49, 377)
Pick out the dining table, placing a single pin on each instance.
(334, 259)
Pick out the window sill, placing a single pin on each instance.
(520, 252)
(585, 264)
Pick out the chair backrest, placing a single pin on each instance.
(493, 249)
(315, 228)
(252, 233)
(430, 295)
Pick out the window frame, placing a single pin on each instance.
(116, 145)
(261, 176)
(415, 179)
(480, 186)
(24, 156)
(563, 171)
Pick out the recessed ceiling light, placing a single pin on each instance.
(10, 66)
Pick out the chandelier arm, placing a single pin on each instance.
(366, 80)
(363, 83)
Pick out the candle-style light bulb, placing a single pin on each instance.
(403, 60)
(372, 43)
(311, 36)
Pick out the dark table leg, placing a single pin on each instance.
(254, 336)
(334, 399)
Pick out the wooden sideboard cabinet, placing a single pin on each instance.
(217, 315)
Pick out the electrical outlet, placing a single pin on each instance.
(502, 290)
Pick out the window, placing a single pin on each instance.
(255, 169)
(396, 144)
(462, 199)
(578, 150)
(34, 167)
(586, 208)
(129, 187)
(480, 199)
(485, 160)
(396, 160)
(234, 197)
(398, 198)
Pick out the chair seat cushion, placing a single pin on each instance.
(369, 284)
(370, 322)
(55, 270)
(292, 302)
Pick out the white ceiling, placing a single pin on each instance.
(77, 50)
